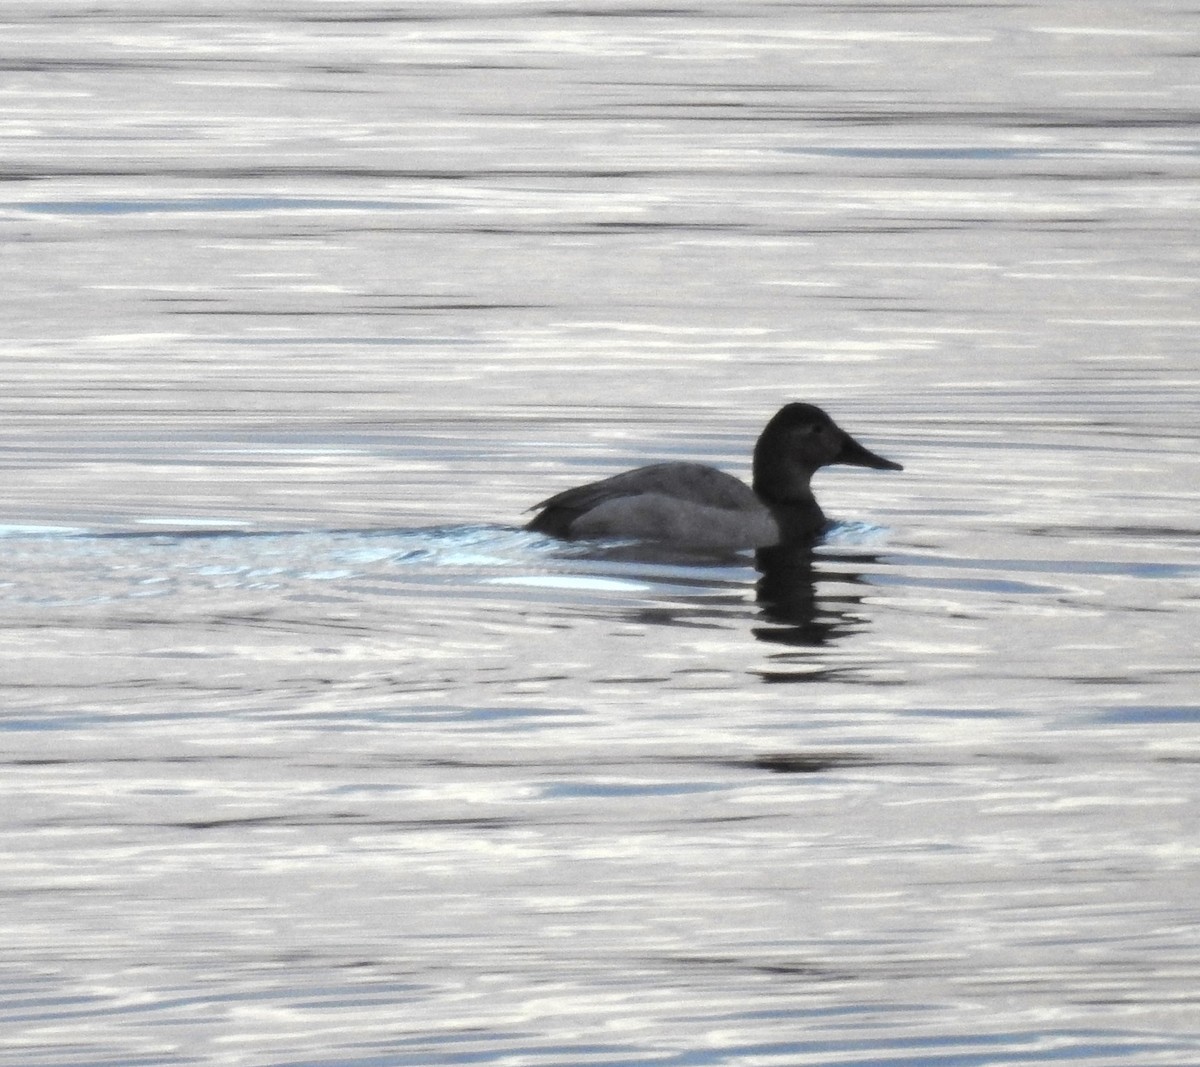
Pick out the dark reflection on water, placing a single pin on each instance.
(810, 762)
(787, 593)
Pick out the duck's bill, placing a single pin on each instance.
(857, 456)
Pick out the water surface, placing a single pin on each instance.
(313, 756)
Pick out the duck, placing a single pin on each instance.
(698, 507)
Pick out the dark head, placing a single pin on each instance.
(800, 439)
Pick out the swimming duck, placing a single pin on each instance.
(691, 505)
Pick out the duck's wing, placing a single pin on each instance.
(695, 483)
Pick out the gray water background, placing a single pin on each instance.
(312, 756)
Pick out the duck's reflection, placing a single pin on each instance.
(788, 597)
(796, 614)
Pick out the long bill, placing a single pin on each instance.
(857, 455)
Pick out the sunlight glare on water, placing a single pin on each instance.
(313, 755)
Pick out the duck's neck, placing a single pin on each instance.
(794, 507)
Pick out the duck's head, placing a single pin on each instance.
(800, 439)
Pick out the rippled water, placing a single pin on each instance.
(312, 756)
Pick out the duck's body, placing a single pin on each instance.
(691, 505)
(674, 503)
